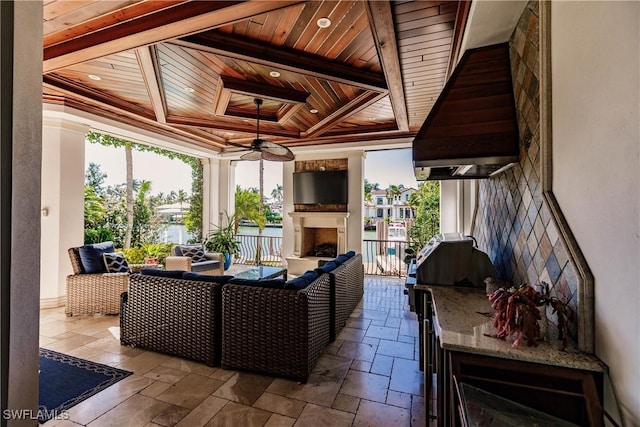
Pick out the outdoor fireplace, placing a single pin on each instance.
(316, 235)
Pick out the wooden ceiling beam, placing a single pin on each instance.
(341, 114)
(165, 24)
(282, 59)
(150, 69)
(381, 21)
(255, 89)
(233, 127)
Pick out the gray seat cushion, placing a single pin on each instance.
(205, 265)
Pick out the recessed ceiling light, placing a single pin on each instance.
(274, 74)
(94, 77)
(313, 111)
(324, 22)
(189, 89)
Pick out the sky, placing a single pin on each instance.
(384, 167)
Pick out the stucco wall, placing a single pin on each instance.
(596, 142)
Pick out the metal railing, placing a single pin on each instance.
(380, 257)
(270, 251)
(384, 257)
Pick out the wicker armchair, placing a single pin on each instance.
(173, 316)
(93, 293)
(275, 331)
(213, 266)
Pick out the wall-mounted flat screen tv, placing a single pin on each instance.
(320, 188)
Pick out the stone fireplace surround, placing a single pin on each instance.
(311, 229)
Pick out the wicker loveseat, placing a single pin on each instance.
(172, 315)
(275, 331)
(93, 293)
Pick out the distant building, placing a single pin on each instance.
(384, 205)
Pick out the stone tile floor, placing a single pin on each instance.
(368, 377)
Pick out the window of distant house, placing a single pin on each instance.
(379, 213)
(379, 201)
(401, 213)
(389, 212)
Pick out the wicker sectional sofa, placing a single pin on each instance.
(272, 327)
(174, 316)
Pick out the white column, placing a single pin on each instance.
(62, 204)
(287, 207)
(356, 200)
(219, 191)
(449, 206)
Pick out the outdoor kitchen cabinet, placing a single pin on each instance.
(566, 385)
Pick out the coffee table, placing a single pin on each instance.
(262, 272)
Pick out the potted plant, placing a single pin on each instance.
(223, 240)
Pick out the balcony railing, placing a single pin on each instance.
(380, 257)
(270, 251)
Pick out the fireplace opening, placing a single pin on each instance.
(320, 242)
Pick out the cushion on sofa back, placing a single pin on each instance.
(262, 283)
(115, 262)
(222, 280)
(195, 252)
(91, 257)
(342, 258)
(327, 267)
(302, 281)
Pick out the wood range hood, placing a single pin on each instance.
(472, 129)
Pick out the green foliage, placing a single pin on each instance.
(248, 207)
(426, 202)
(97, 235)
(105, 207)
(193, 219)
(368, 187)
(135, 255)
(223, 238)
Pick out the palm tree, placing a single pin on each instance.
(129, 163)
(182, 198)
(276, 193)
(247, 206)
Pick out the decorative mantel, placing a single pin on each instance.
(312, 228)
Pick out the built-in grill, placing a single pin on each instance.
(449, 259)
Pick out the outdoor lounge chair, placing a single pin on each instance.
(179, 260)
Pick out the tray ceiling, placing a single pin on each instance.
(191, 69)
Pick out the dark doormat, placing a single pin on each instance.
(66, 381)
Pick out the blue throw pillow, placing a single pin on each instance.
(170, 274)
(302, 281)
(91, 257)
(341, 259)
(327, 267)
(115, 262)
(265, 283)
(223, 280)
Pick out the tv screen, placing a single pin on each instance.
(320, 188)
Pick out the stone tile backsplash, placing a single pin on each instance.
(513, 222)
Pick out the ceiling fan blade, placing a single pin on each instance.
(266, 155)
(251, 155)
(273, 148)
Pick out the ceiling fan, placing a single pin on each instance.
(262, 149)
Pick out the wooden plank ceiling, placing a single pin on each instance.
(192, 69)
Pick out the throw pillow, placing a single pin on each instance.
(265, 283)
(91, 257)
(195, 252)
(302, 281)
(327, 267)
(170, 274)
(115, 262)
(189, 275)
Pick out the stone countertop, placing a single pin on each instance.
(463, 318)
